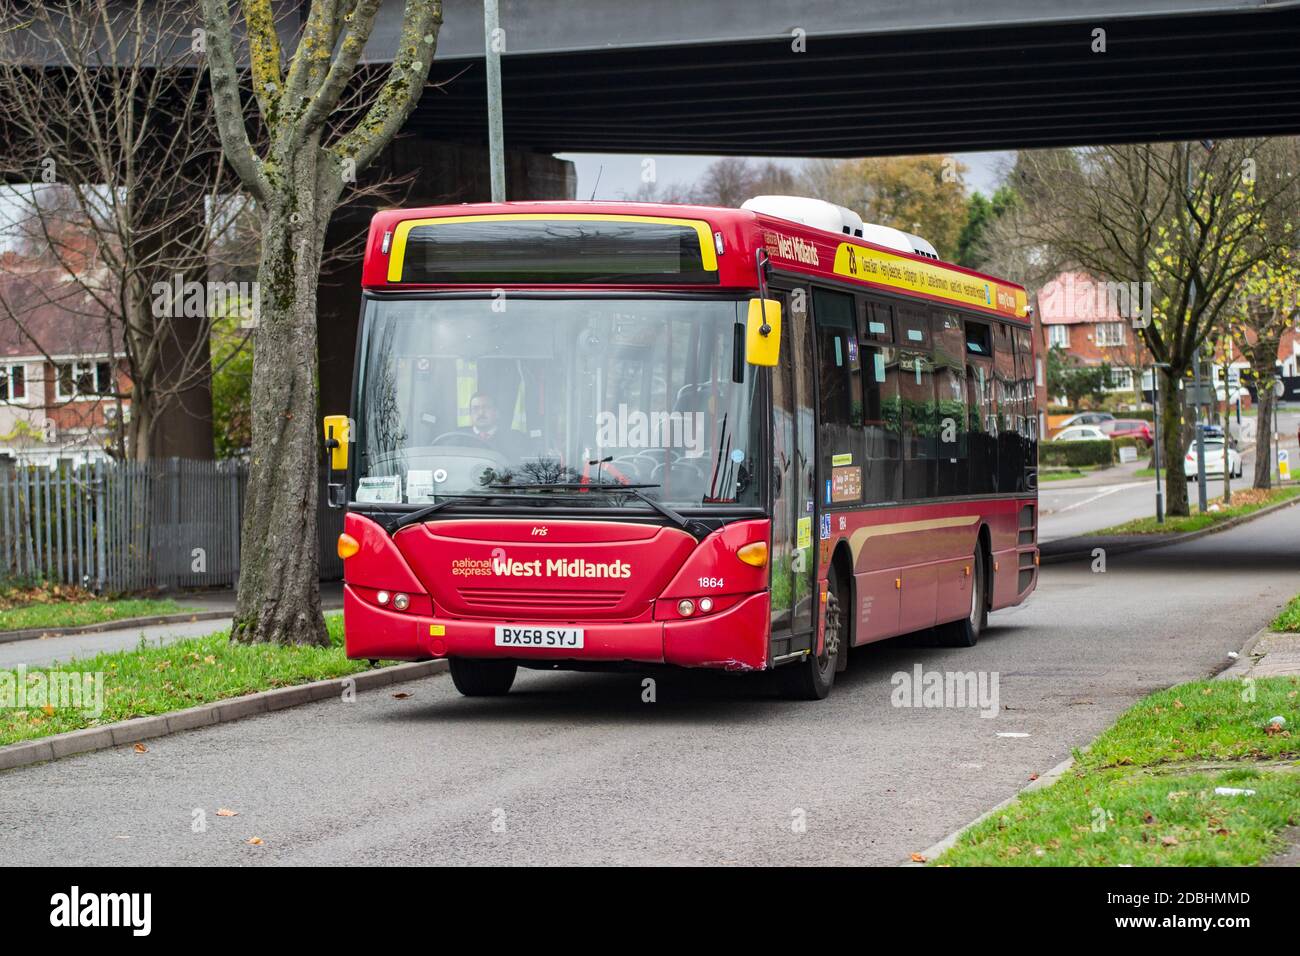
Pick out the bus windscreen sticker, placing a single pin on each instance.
(386, 489)
(846, 484)
(826, 527)
(804, 538)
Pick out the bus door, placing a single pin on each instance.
(794, 517)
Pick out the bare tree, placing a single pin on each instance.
(1190, 221)
(308, 144)
(105, 115)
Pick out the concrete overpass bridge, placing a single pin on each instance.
(874, 77)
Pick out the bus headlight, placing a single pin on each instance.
(401, 602)
(686, 607)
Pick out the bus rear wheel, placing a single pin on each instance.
(966, 632)
(811, 678)
(482, 678)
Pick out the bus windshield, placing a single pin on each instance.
(474, 396)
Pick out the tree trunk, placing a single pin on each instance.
(279, 563)
(1171, 439)
(1264, 433)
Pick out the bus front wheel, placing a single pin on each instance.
(482, 678)
(811, 678)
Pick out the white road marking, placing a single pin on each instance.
(1087, 501)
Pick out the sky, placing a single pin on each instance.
(614, 175)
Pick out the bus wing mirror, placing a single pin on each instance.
(763, 332)
(337, 437)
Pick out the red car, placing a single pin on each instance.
(1129, 428)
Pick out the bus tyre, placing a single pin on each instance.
(811, 678)
(966, 632)
(482, 678)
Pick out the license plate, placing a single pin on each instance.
(556, 637)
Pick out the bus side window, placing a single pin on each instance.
(917, 400)
(841, 400)
(950, 403)
(981, 410)
(839, 358)
(1010, 450)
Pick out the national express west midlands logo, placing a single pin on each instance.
(791, 247)
(501, 565)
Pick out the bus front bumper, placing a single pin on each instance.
(732, 639)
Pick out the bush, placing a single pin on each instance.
(1076, 453)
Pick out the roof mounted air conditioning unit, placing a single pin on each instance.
(827, 215)
(811, 212)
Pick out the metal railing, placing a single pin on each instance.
(134, 526)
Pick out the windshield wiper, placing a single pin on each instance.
(415, 517)
(689, 525)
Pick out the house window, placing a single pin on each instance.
(1058, 336)
(82, 380)
(1121, 379)
(13, 383)
(1110, 333)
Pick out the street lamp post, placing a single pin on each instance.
(496, 138)
(1201, 497)
(1155, 417)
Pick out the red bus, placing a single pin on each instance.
(591, 435)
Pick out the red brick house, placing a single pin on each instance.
(1094, 324)
(61, 374)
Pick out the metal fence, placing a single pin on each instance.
(134, 526)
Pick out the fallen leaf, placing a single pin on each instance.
(209, 659)
(918, 857)
(1033, 776)
(48, 710)
(1169, 840)
(141, 749)
(401, 695)
(223, 812)
(256, 841)
(1149, 817)
(1178, 704)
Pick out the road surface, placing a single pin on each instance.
(576, 768)
(1113, 496)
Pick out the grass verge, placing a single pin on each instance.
(1244, 502)
(1145, 793)
(78, 614)
(1289, 619)
(1059, 475)
(152, 680)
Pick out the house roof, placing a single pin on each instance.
(44, 312)
(1076, 298)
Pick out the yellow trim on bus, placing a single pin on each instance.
(909, 275)
(708, 255)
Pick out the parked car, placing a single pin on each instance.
(1081, 433)
(1213, 459)
(1087, 418)
(1129, 428)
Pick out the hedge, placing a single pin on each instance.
(1077, 453)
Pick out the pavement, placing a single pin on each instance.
(575, 768)
(66, 647)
